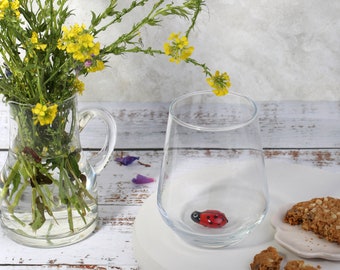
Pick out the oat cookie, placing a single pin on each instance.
(299, 265)
(319, 215)
(268, 259)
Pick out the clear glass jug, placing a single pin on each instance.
(48, 185)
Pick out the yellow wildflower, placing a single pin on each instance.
(79, 86)
(79, 55)
(61, 45)
(44, 114)
(95, 49)
(97, 67)
(178, 48)
(15, 7)
(220, 83)
(78, 42)
(86, 40)
(4, 4)
(34, 38)
(35, 41)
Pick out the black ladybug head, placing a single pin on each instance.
(195, 216)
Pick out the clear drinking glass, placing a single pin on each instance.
(212, 190)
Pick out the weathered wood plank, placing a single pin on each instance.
(306, 133)
(288, 124)
(110, 245)
(300, 124)
(284, 124)
(326, 159)
(115, 186)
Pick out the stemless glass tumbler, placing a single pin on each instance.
(212, 190)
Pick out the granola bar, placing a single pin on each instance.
(319, 215)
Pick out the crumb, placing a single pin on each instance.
(267, 259)
(299, 265)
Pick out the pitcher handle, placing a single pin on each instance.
(99, 160)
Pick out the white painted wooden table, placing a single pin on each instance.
(305, 133)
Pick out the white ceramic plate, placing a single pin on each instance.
(156, 247)
(303, 243)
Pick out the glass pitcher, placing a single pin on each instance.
(48, 185)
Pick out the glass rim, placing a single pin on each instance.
(222, 128)
(74, 96)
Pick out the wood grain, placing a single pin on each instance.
(305, 133)
(286, 124)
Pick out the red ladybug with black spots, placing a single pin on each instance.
(210, 218)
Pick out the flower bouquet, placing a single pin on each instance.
(48, 188)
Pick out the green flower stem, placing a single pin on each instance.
(197, 6)
(17, 197)
(56, 72)
(205, 68)
(79, 185)
(34, 205)
(62, 192)
(151, 51)
(68, 197)
(152, 19)
(68, 186)
(110, 11)
(18, 220)
(148, 51)
(9, 180)
(70, 217)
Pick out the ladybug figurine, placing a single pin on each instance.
(210, 218)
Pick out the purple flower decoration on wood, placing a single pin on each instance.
(141, 179)
(126, 160)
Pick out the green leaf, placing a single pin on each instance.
(38, 215)
(74, 167)
(15, 182)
